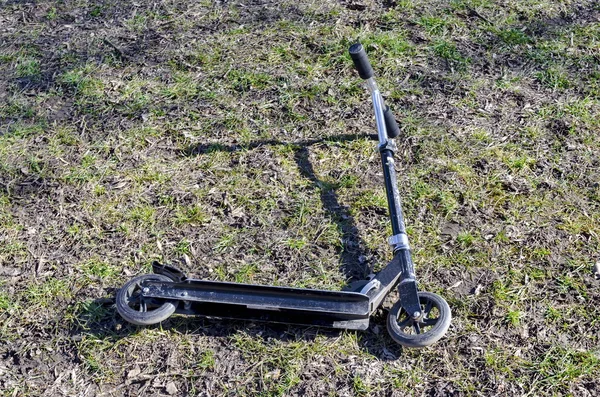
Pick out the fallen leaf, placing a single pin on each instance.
(450, 229)
(171, 388)
(134, 372)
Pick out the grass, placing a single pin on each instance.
(28, 68)
(232, 141)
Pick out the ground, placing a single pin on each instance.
(235, 140)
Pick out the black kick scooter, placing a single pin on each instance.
(418, 319)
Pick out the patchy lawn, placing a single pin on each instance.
(235, 140)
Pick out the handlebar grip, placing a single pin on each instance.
(391, 125)
(361, 62)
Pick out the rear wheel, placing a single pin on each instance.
(428, 328)
(140, 310)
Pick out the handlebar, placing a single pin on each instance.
(365, 71)
(361, 61)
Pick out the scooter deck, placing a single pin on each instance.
(336, 309)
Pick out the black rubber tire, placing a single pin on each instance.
(428, 337)
(164, 309)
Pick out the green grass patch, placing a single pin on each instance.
(558, 367)
(44, 295)
(82, 80)
(28, 67)
(191, 214)
(99, 269)
(450, 53)
(555, 78)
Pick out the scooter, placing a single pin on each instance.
(417, 319)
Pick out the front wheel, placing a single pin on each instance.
(428, 328)
(139, 310)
